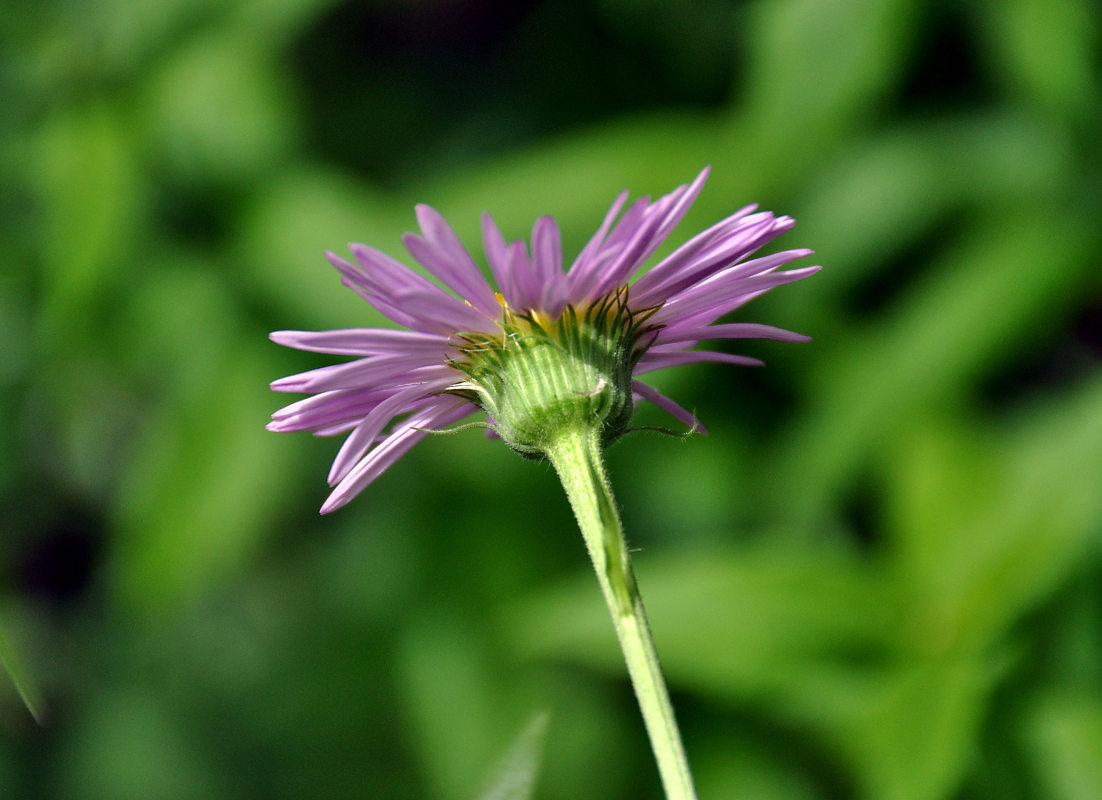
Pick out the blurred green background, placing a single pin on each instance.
(879, 576)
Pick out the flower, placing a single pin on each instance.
(550, 346)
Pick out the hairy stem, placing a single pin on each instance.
(578, 459)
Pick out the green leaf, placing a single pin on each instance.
(974, 520)
(1046, 50)
(738, 623)
(90, 191)
(976, 305)
(218, 107)
(1064, 730)
(515, 776)
(203, 489)
(908, 734)
(13, 665)
(854, 50)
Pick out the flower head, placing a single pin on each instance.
(549, 348)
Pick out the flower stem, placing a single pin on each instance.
(577, 456)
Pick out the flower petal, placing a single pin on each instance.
(598, 238)
(362, 341)
(357, 443)
(497, 254)
(442, 254)
(735, 330)
(397, 444)
(685, 268)
(587, 269)
(526, 285)
(718, 297)
(547, 264)
(327, 409)
(436, 316)
(660, 360)
(661, 219)
(671, 407)
(375, 371)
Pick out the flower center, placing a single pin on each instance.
(541, 377)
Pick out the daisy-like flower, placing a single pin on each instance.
(553, 358)
(550, 348)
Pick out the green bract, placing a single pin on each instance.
(543, 376)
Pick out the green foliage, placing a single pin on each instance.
(515, 778)
(12, 664)
(879, 576)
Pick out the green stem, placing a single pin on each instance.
(577, 457)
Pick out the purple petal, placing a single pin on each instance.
(716, 296)
(679, 208)
(497, 255)
(547, 249)
(436, 316)
(597, 240)
(681, 270)
(349, 425)
(362, 341)
(392, 282)
(355, 279)
(337, 428)
(671, 407)
(547, 264)
(364, 372)
(661, 219)
(327, 409)
(373, 423)
(526, 284)
(396, 445)
(442, 254)
(643, 242)
(737, 330)
(653, 361)
(384, 275)
(691, 250)
(587, 271)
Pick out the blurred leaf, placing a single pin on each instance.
(853, 49)
(219, 110)
(910, 734)
(737, 623)
(276, 21)
(975, 523)
(90, 192)
(1064, 729)
(200, 493)
(126, 743)
(904, 182)
(744, 761)
(188, 317)
(13, 665)
(515, 778)
(81, 417)
(128, 35)
(1047, 50)
(453, 701)
(691, 42)
(284, 234)
(15, 331)
(972, 307)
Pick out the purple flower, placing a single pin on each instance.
(446, 365)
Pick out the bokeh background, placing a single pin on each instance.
(879, 576)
